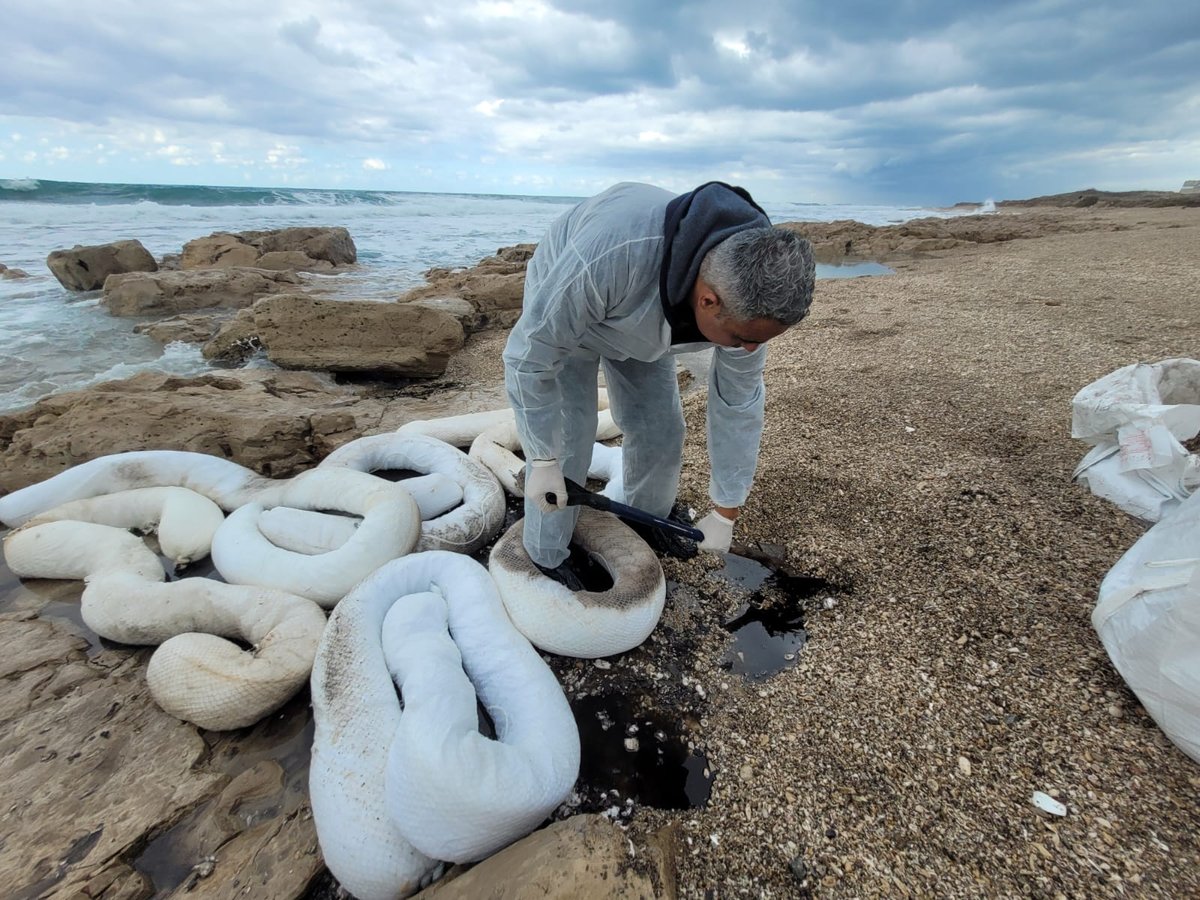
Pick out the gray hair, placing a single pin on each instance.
(762, 273)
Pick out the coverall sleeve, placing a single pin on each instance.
(736, 398)
(561, 300)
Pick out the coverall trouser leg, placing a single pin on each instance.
(644, 399)
(546, 535)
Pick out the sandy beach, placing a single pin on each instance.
(917, 453)
(917, 460)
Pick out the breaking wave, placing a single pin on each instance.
(30, 190)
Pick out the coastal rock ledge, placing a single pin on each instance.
(298, 331)
(277, 423)
(168, 293)
(483, 296)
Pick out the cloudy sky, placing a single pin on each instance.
(860, 102)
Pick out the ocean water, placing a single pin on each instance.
(53, 340)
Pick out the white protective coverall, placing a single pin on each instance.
(592, 297)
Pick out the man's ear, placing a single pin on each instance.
(707, 298)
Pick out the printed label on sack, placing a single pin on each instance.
(1145, 446)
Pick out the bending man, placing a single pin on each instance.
(624, 280)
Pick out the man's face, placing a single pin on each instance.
(724, 330)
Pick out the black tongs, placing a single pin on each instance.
(578, 495)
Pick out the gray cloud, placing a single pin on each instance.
(306, 34)
(933, 101)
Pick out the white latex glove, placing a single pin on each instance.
(718, 532)
(546, 477)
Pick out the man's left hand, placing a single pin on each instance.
(718, 532)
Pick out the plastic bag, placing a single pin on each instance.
(1137, 418)
(1148, 618)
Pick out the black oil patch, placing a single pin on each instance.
(632, 759)
(765, 641)
(395, 474)
(594, 576)
(768, 628)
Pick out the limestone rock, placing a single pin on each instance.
(217, 250)
(140, 294)
(292, 259)
(482, 289)
(235, 341)
(302, 249)
(273, 860)
(118, 881)
(455, 306)
(191, 329)
(1101, 199)
(848, 240)
(505, 261)
(277, 423)
(99, 780)
(473, 320)
(41, 645)
(303, 332)
(333, 245)
(582, 858)
(85, 268)
(88, 771)
(494, 288)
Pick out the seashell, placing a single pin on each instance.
(1048, 804)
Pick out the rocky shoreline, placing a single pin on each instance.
(1104, 199)
(917, 460)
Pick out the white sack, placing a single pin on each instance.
(1137, 419)
(1148, 617)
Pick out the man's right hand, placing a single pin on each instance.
(546, 478)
